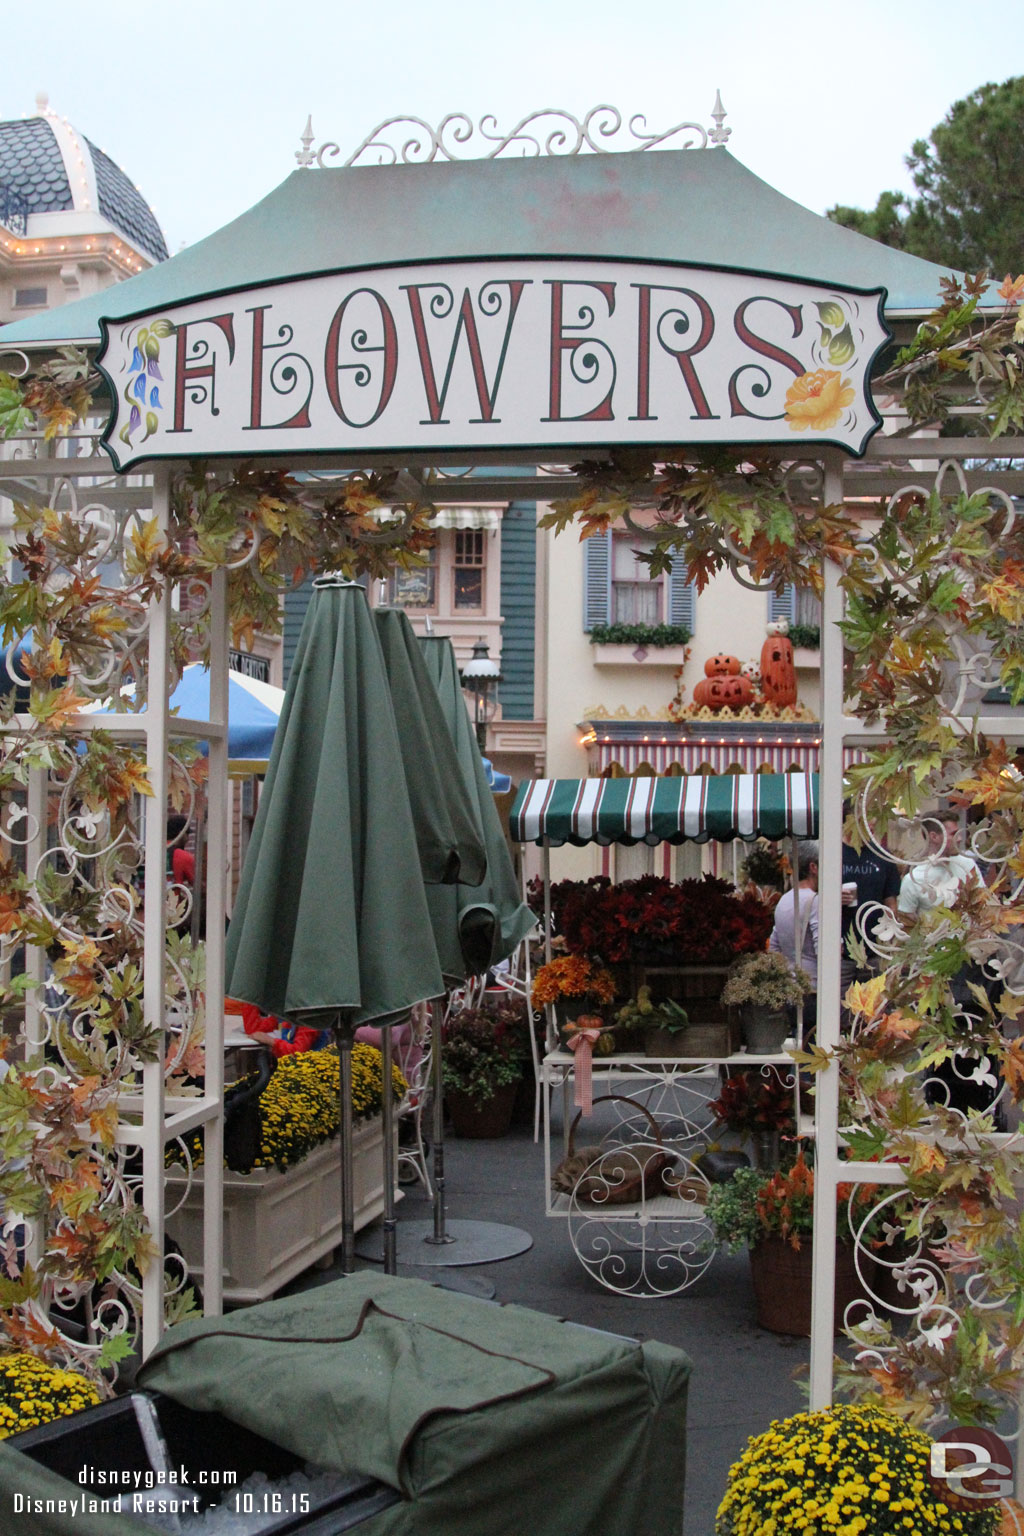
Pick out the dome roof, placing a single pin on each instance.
(50, 169)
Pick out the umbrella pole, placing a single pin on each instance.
(390, 1240)
(343, 1039)
(437, 1080)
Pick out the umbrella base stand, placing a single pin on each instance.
(467, 1242)
(451, 1280)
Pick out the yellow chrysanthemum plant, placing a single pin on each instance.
(299, 1108)
(33, 1392)
(849, 1470)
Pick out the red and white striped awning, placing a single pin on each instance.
(682, 808)
(661, 756)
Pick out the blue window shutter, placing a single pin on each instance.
(682, 597)
(597, 580)
(782, 605)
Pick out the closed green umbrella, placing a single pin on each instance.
(476, 927)
(490, 918)
(331, 923)
(445, 816)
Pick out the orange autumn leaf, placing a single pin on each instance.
(898, 1025)
(988, 786)
(103, 1124)
(1013, 1066)
(1011, 288)
(924, 1157)
(1005, 592)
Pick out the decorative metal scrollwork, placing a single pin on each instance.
(549, 131)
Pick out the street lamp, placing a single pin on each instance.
(481, 675)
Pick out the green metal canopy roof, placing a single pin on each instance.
(697, 206)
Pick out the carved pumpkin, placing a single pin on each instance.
(722, 666)
(717, 692)
(778, 675)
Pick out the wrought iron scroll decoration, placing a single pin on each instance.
(563, 134)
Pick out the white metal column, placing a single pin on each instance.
(830, 875)
(156, 726)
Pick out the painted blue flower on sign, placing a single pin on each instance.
(139, 393)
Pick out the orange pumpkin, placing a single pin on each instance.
(778, 674)
(717, 692)
(722, 666)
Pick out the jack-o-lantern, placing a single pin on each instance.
(722, 685)
(778, 674)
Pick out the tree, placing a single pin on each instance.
(969, 175)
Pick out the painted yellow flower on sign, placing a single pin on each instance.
(817, 400)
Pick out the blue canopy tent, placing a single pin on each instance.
(254, 709)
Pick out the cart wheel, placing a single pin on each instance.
(659, 1244)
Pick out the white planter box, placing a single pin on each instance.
(278, 1224)
(622, 655)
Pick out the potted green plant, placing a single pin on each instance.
(663, 1026)
(772, 1215)
(850, 1467)
(486, 1053)
(763, 987)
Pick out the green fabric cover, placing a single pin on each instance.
(446, 822)
(476, 926)
(487, 1419)
(331, 916)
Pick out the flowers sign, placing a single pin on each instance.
(552, 353)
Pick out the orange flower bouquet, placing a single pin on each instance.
(573, 980)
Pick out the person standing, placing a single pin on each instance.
(936, 882)
(869, 881)
(798, 909)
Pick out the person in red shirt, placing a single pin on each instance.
(283, 1039)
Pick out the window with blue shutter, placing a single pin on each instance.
(597, 581)
(782, 605)
(681, 604)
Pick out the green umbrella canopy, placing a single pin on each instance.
(331, 918)
(490, 918)
(447, 821)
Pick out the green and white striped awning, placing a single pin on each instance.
(696, 808)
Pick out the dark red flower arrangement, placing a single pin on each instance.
(690, 922)
(749, 1102)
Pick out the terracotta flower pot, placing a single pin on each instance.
(782, 1284)
(482, 1119)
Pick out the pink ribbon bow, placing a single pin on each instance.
(582, 1037)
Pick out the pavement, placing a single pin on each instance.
(743, 1377)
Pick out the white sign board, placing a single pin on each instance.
(489, 355)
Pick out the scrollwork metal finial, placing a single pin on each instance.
(305, 155)
(718, 134)
(549, 131)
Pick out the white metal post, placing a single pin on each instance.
(156, 725)
(830, 875)
(216, 904)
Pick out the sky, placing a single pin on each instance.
(203, 104)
